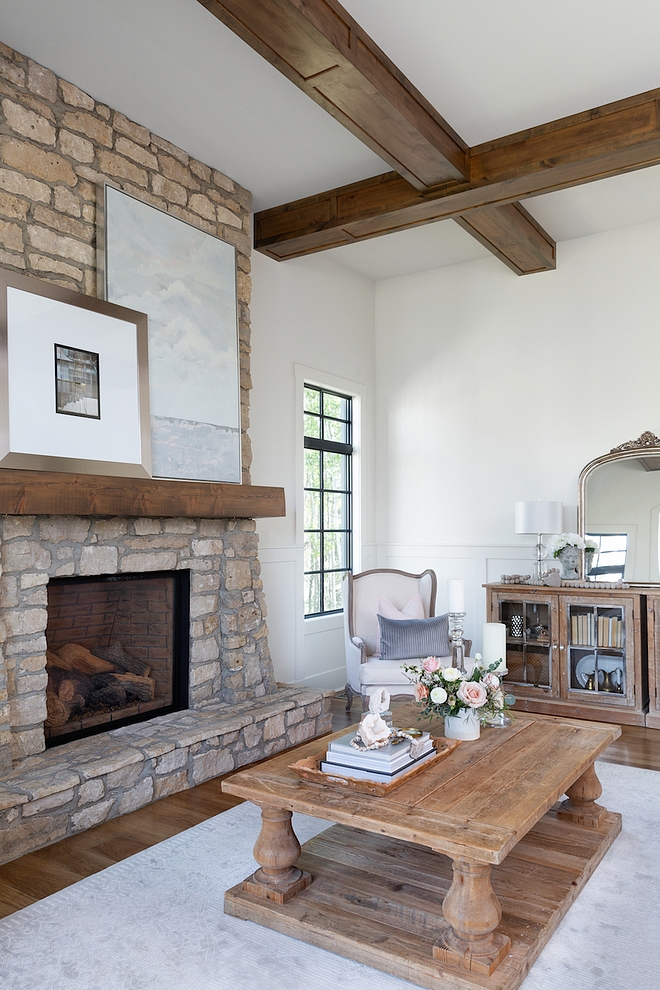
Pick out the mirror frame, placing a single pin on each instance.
(625, 451)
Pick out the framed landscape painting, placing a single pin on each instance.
(185, 280)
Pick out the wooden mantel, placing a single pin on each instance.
(24, 493)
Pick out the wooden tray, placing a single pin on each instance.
(308, 769)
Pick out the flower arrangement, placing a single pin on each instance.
(590, 545)
(558, 543)
(446, 691)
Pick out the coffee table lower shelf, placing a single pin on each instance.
(379, 901)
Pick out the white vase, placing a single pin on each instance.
(464, 725)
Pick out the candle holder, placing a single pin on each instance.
(457, 644)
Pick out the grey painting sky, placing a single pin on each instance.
(184, 279)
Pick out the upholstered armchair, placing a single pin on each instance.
(365, 670)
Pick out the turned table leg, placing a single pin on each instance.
(276, 850)
(580, 805)
(474, 912)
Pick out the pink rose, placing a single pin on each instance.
(421, 692)
(473, 693)
(492, 681)
(431, 664)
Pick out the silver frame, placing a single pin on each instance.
(102, 291)
(43, 462)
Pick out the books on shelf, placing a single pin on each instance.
(384, 764)
(604, 631)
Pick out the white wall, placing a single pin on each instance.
(493, 388)
(318, 315)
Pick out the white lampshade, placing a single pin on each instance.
(539, 517)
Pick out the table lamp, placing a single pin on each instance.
(539, 518)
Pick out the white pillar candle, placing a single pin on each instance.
(494, 648)
(456, 595)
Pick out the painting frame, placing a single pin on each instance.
(143, 254)
(35, 315)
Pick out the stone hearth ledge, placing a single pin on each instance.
(70, 788)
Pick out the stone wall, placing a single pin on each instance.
(229, 656)
(56, 145)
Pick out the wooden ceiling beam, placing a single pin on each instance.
(609, 140)
(324, 51)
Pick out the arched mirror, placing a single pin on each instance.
(619, 511)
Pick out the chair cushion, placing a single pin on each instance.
(407, 639)
(384, 673)
(413, 610)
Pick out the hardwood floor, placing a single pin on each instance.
(48, 870)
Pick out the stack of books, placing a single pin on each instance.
(383, 765)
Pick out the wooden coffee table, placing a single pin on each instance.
(458, 877)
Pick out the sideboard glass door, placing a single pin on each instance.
(528, 642)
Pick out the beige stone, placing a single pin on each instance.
(226, 216)
(204, 650)
(27, 742)
(10, 259)
(28, 124)
(24, 555)
(8, 592)
(32, 664)
(48, 803)
(20, 647)
(134, 131)
(46, 240)
(116, 165)
(138, 154)
(28, 710)
(42, 81)
(31, 682)
(211, 764)
(207, 548)
(37, 597)
(65, 570)
(170, 190)
(137, 797)
(171, 149)
(57, 529)
(25, 621)
(202, 205)
(11, 235)
(148, 562)
(31, 835)
(299, 733)
(125, 777)
(237, 575)
(91, 816)
(146, 527)
(75, 97)
(200, 673)
(12, 207)
(222, 181)
(12, 73)
(89, 213)
(171, 169)
(172, 761)
(188, 526)
(40, 263)
(91, 790)
(164, 786)
(18, 183)
(202, 605)
(85, 123)
(274, 727)
(202, 171)
(212, 527)
(76, 147)
(205, 582)
(98, 560)
(43, 164)
(103, 111)
(64, 224)
(110, 529)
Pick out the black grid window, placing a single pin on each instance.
(327, 513)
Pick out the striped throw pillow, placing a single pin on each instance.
(410, 639)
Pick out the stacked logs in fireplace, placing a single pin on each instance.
(82, 683)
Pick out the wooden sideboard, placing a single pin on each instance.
(582, 652)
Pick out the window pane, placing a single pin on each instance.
(312, 593)
(335, 511)
(312, 426)
(332, 592)
(312, 400)
(335, 471)
(335, 547)
(312, 510)
(312, 551)
(334, 405)
(312, 469)
(334, 430)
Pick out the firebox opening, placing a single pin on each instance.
(117, 651)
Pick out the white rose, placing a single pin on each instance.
(450, 673)
(438, 696)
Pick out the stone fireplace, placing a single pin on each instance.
(54, 568)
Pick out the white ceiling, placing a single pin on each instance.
(489, 68)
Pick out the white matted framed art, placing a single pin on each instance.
(74, 393)
(185, 280)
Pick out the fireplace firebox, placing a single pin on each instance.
(117, 651)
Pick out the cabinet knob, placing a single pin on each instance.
(561, 646)
(555, 646)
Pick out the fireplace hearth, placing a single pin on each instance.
(117, 651)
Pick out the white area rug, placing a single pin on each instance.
(155, 921)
